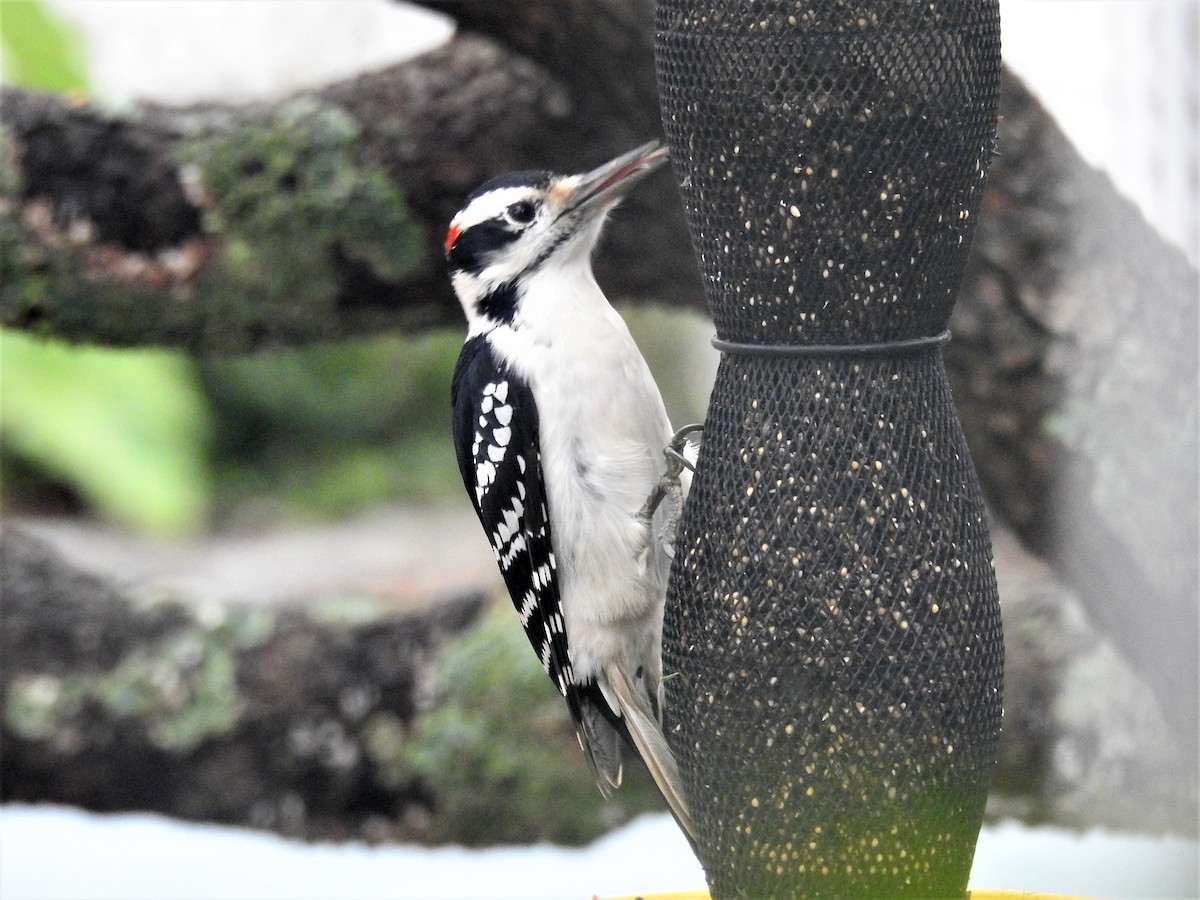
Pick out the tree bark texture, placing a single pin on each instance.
(1074, 367)
(223, 229)
(346, 717)
(112, 704)
(339, 719)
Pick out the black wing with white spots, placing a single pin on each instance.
(495, 424)
(496, 438)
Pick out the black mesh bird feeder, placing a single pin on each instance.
(832, 619)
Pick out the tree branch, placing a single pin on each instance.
(325, 720)
(1074, 368)
(223, 229)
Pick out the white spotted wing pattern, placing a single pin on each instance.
(496, 436)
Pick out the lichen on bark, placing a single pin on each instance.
(292, 206)
(288, 222)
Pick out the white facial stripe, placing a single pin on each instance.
(507, 266)
(491, 205)
(550, 241)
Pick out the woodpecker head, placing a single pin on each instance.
(520, 223)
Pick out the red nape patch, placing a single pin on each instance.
(452, 236)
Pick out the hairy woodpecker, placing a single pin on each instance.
(560, 429)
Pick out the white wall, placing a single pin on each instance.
(1121, 77)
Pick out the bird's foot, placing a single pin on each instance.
(669, 488)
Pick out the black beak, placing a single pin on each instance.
(606, 185)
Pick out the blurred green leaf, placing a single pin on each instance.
(129, 429)
(329, 430)
(40, 52)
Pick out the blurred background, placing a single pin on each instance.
(301, 506)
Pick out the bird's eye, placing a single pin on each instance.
(521, 212)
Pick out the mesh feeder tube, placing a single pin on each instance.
(832, 619)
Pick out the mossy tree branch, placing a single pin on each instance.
(333, 719)
(224, 229)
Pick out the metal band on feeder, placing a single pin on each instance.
(888, 348)
(832, 620)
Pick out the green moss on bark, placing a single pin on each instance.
(289, 212)
(498, 751)
(182, 689)
(288, 199)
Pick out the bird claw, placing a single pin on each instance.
(669, 486)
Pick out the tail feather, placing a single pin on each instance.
(601, 745)
(648, 738)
